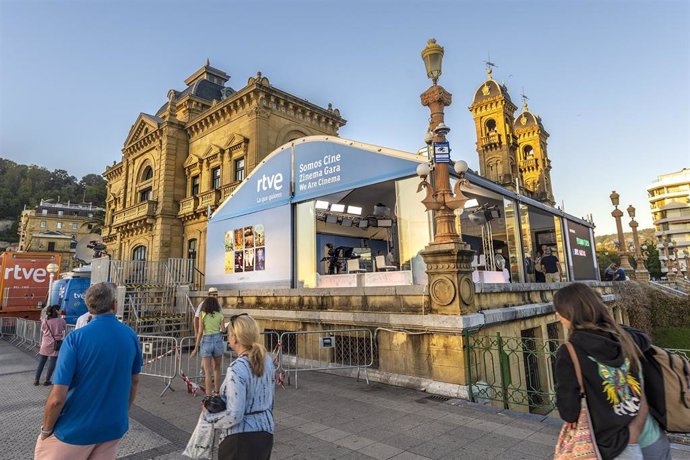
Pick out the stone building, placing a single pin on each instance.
(669, 201)
(179, 164)
(56, 227)
(511, 150)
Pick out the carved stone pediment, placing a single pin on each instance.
(192, 160)
(235, 140)
(211, 152)
(144, 125)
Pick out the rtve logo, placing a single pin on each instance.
(18, 273)
(274, 182)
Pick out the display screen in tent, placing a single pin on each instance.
(581, 252)
(251, 250)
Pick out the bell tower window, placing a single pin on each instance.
(490, 125)
(528, 152)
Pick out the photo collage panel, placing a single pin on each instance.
(245, 249)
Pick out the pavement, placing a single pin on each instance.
(327, 417)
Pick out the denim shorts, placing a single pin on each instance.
(211, 345)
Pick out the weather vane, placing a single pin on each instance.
(488, 63)
(524, 97)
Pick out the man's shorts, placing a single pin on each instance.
(211, 345)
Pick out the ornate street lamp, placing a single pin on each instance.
(617, 214)
(448, 259)
(52, 269)
(439, 197)
(641, 273)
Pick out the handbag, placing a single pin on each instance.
(579, 442)
(214, 404)
(201, 442)
(56, 343)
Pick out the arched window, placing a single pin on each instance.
(147, 174)
(139, 253)
(490, 125)
(527, 152)
(191, 249)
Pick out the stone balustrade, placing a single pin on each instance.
(134, 213)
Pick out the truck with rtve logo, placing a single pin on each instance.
(24, 282)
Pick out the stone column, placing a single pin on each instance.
(451, 289)
(641, 273)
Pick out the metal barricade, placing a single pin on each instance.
(31, 335)
(161, 358)
(19, 332)
(8, 329)
(37, 336)
(69, 328)
(326, 350)
(26, 334)
(191, 367)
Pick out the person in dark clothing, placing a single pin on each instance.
(550, 264)
(609, 357)
(331, 259)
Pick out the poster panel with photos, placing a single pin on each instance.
(255, 249)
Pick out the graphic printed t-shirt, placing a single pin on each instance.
(97, 363)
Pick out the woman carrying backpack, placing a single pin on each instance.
(609, 359)
(209, 337)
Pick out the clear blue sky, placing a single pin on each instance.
(609, 78)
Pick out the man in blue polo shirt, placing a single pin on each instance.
(95, 383)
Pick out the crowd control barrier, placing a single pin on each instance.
(160, 356)
(302, 351)
(8, 328)
(169, 357)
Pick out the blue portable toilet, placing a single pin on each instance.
(68, 292)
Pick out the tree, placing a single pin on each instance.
(94, 189)
(652, 263)
(25, 186)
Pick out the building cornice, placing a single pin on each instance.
(260, 97)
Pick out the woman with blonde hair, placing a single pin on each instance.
(246, 426)
(610, 359)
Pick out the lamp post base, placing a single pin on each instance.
(449, 268)
(641, 275)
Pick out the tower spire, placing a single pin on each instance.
(489, 66)
(525, 108)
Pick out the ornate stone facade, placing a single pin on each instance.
(511, 151)
(181, 163)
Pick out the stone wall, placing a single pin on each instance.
(412, 344)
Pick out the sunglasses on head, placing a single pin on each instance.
(234, 317)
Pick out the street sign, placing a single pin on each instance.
(441, 152)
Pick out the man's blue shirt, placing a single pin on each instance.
(97, 362)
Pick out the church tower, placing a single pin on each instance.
(533, 159)
(494, 119)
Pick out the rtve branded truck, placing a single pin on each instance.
(24, 282)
